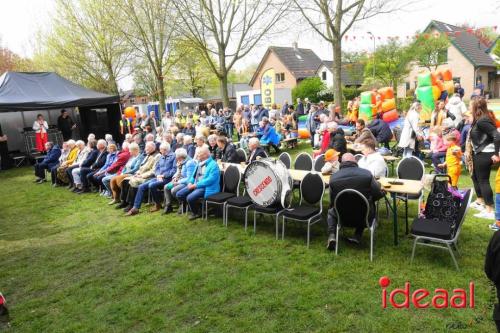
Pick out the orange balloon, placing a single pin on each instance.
(130, 112)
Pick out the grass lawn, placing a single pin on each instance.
(71, 263)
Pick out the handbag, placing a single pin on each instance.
(441, 204)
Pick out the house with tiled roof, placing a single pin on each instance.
(468, 57)
(291, 65)
(351, 74)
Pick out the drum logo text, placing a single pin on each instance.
(262, 185)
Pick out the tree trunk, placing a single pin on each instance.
(223, 90)
(161, 94)
(337, 67)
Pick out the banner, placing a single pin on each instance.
(267, 88)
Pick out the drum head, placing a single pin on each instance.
(262, 183)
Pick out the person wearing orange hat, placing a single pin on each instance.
(332, 164)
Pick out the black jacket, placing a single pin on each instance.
(338, 141)
(492, 260)
(65, 124)
(100, 161)
(350, 176)
(380, 130)
(229, 155)
(259, 151)
(484, 132)
(91, 157)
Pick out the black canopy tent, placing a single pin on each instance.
(22, 92)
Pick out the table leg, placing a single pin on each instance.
(395, 218)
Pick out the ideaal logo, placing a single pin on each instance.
(423, 298)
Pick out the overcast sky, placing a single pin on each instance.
(21, 19)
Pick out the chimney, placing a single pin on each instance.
(295, 45)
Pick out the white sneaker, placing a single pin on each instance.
(477, 206)
(485, 215)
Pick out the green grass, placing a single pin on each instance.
(72, 264)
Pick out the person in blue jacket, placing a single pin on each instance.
(203, 182)
(164, 171)
(50, 161)
(269, 135)
(185, 168)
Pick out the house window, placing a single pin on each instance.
(323, 75)
(280, 77)
(245, 99)
(407, 85)
(456, 80)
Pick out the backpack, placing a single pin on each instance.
(441, 204)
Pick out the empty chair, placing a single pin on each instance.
(413, 169)
(440, 234)
(353, 211)
(239, 202)
(242, 154)
(274, 210)
(308, 209)
(286, 159)
(319, 162)
(232, 178)
(303, 161)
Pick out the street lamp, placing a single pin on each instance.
(373, 37)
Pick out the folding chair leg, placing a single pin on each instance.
(224, 216)
(372, 231)
(283, 229)
(406, 215)
(277, 225)
(337, 240)
(254, 222)
(413, 251)
(246, 218)
(456, 248)
(453, 256)
(308, 232)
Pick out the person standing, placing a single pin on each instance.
(300, 107)
(307, 106)
(66, 125)
(485, 146)
(41, 127)
(284, 109)
(5, 160)
(125, 126)
(411, 131)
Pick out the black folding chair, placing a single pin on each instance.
(303, 161)
(410, 168)
(241, 154)
(308, 212)
(353, 211)
(232, 178)
(440, 234)
(319, 162)
(239, 202)
(286, 159)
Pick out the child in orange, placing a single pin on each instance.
(453, 160)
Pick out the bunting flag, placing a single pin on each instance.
(355, 38)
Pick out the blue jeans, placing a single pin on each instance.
(153, 188)
(228, 127)
(437, 158)
(497, 206)
(191, 196)
(106, 180)
(151, 185)
(140, 193)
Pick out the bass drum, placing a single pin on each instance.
(268, 182)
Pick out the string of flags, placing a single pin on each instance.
(455, 33)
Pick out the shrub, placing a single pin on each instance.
(310, 88)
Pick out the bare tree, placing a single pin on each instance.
(332, 19)
(224, 31)
(148, 26)
(85, 45)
